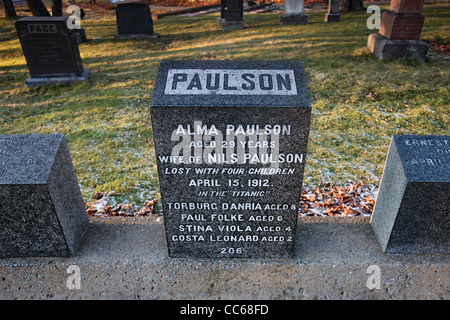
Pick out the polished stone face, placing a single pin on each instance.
(411, 213)
(134, 18)
(43, 212)
(50, 47)
(230, 142)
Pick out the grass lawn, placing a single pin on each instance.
(358, 101)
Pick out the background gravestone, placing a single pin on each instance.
(230, 141)
(333, 11)
(400, 32)
(231, 15)
(51, 51)
(352, 5)
(43, 213)
(134, 20)
(294, 12)
(412, 210)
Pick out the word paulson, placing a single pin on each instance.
(230, 82)
(42, 28)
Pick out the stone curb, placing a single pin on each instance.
(126, 258)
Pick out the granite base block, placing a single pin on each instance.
(411, 213)
(232, 25)
(135, 36)
(49, 81)
(390, 49)
(43, 212)
(293, 19)
(332, 17)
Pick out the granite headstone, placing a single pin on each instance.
(51, 51)
(230, 141)
(399, 35)
(412, 210)
(134, 20)
(231, 15)
(294, 12)
(43, 213)
(333, 11)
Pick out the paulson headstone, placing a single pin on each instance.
(134, 20)
(333, 11)
(43, 213)
(51, 51)
(412, 210)
(230, 141)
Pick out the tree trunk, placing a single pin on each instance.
(37, 8)
(9, 8)
(57, 8)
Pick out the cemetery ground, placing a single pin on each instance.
(358, 101)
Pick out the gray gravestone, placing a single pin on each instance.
(43, 213)
(134, 20)
(411, 213)
(230, 141)
(51, 51)
(294, 12)
(333, 11)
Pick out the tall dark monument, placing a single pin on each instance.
(230, 142)
(400, 30)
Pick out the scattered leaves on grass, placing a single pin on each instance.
(440, 47)
(353, 199)
(101, 207)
